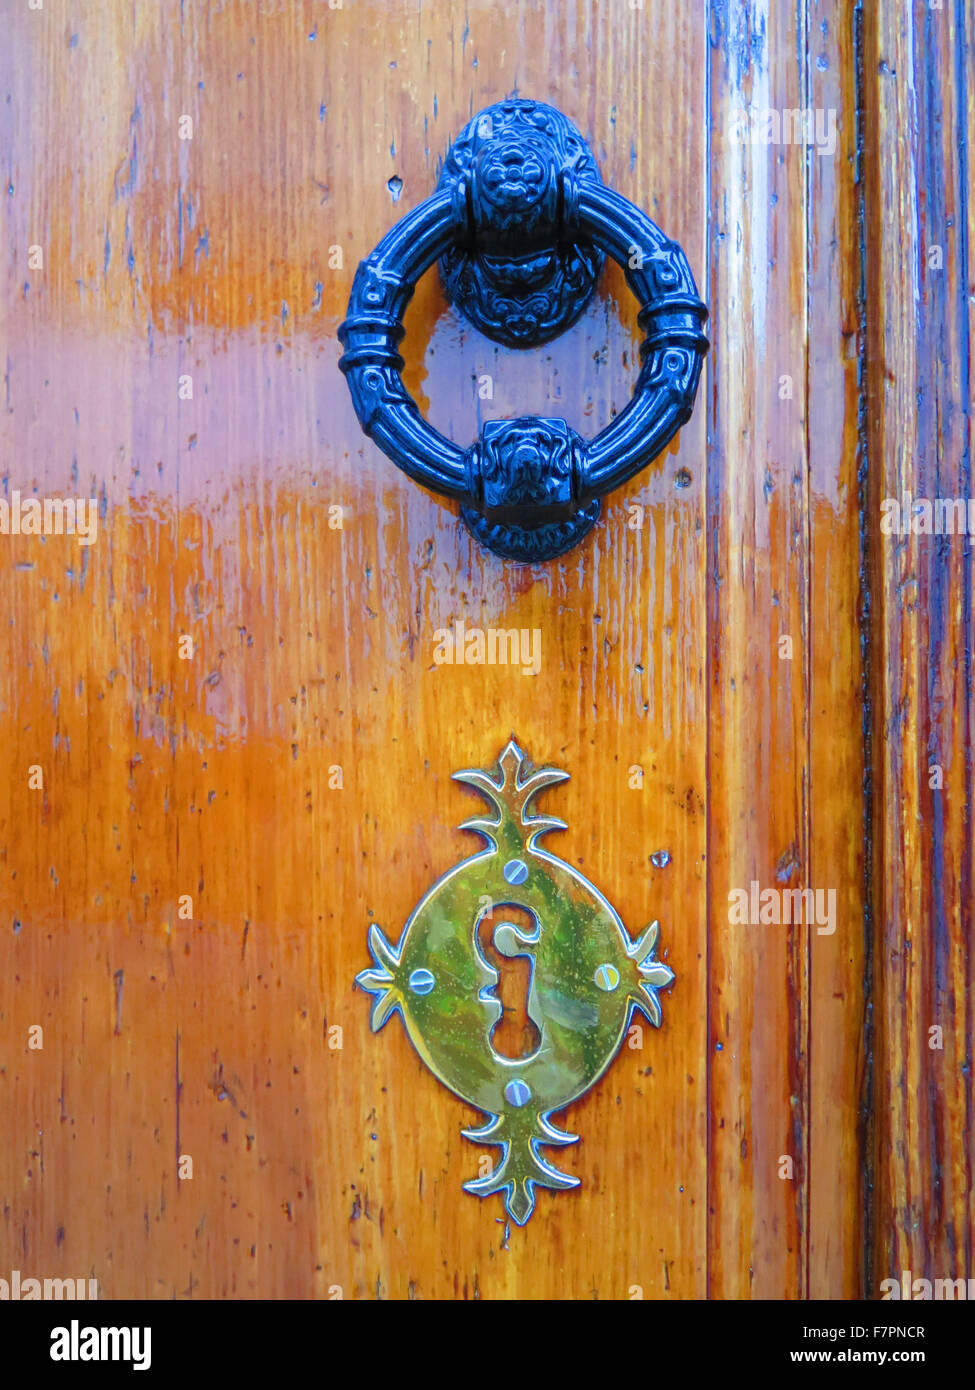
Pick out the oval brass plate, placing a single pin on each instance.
(587, 977)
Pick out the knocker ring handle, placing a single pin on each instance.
(520, 222)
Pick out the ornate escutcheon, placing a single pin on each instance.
(586, 978)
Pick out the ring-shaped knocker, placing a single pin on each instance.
(519, 221)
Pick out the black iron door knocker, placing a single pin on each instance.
(520, 223)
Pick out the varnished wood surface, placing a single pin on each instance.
(785, 758)
(920, 391)
(315, 1167)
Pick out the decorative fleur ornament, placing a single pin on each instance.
(587, 978)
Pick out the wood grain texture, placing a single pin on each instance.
(758, 527)
(920, 231)
(785, 756)
(216, 258)
(838, 831)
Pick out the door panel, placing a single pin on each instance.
(189, 892)
(919, 234)
(785, 766)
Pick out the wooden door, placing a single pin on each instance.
(228, 748)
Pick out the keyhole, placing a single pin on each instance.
(515, 1034)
